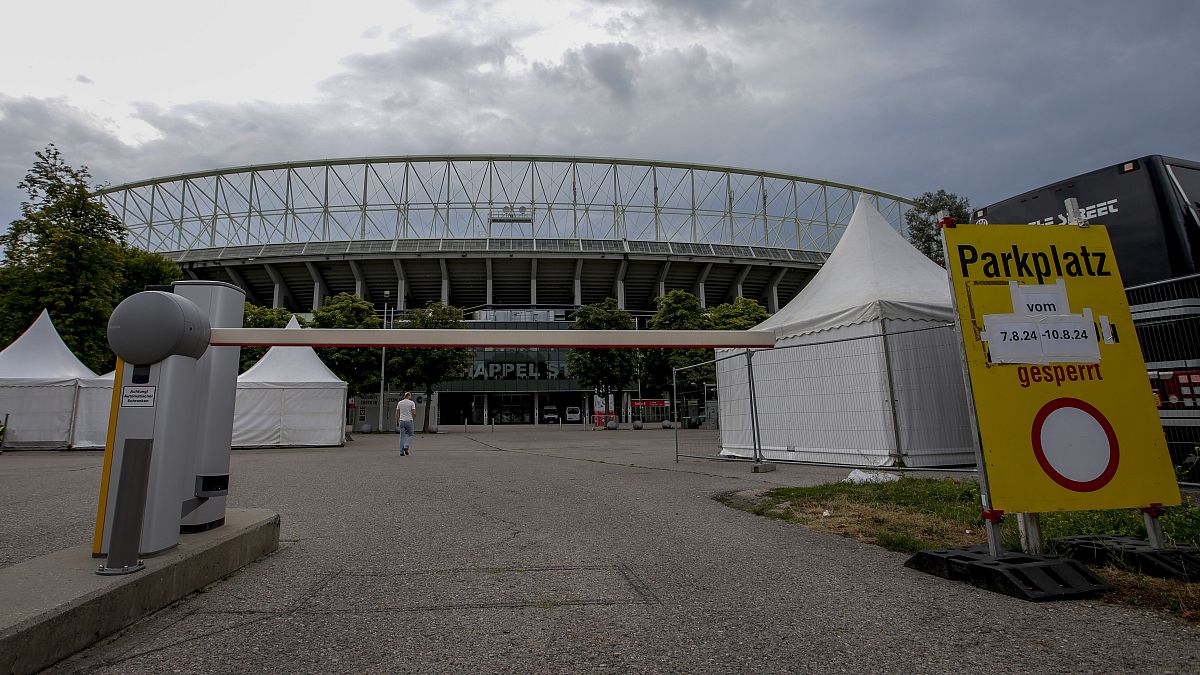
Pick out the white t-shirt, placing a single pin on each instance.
(405, 409)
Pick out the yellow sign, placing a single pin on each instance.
(1066, 413)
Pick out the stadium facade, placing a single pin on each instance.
(516, 241)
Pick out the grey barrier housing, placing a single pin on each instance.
(150, 326)
(175, 404)
(206, 485)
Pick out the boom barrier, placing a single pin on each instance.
(419, 337)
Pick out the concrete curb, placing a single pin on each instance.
(55, 605)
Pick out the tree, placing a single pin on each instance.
(677, 310)
(357, 366)
(67, 254)
(424, 367)
(260, 317)
(921, 220)
(603, 369)
(741, 314)
(140, 269)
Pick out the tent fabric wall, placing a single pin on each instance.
(289, 398)
(40, 412)
(92, 407)
(931, 397)
(865, 371)
(39, 379)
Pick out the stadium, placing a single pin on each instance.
(516, 241)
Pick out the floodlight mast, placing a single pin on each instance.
(420, 337)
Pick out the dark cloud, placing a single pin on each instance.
(612, 67)
(84, 79)
(698, 14)
(978, 98)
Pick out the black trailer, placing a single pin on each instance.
(1149, 205)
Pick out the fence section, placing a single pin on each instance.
(1166, 315)
(880, 395)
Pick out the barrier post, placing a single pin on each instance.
(1030, 525)
(992, 518)
(759, 465)
(675, 411)
(1154, 531)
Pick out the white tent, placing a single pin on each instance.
(92, 406)
(873, 376)
(289, 398)
(39, 379)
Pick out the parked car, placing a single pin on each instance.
(549, 414)
(573, 415)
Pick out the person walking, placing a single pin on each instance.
(404, 420)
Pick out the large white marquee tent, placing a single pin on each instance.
(289, 398)
(39, 385)
(866, 371)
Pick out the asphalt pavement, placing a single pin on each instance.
(545, 550)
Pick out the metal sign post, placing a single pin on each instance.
(991, 518)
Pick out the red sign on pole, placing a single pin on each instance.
(649, 403)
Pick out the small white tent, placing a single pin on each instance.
(874, 375)
(93, 404)
(289, 398)
(39, 379)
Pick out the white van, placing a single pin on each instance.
(573, 415)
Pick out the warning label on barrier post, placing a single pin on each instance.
(1066, 412)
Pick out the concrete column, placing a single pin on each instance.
(401, 286)
(698, 289)
(281, 292)
(579, 282)
(445, 282)
(662, 277)
(320, 289)
(737, 282)
(488, 264)
(773, 291)
(533, 282)
(360, 284)
(619, 286)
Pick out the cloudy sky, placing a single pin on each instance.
(983, 98)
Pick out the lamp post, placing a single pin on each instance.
(383, 361)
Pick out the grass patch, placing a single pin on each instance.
(912, 514)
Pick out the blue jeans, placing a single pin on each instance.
(406, 434)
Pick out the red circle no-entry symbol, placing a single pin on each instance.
(1075, 444)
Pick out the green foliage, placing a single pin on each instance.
(946, 497)
(66, 253)
(677, 310)
(605, 370)
(357, 366)
(959, 503)
(261, 317)
(1181, 524)
(901, 542)
(922, 216)
(741, 314)
(141, 269)
(423, 367)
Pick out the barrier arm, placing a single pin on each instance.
(466, 337)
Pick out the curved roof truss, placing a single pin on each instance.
(488, 197)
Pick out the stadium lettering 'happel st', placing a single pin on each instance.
(1033, 264)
